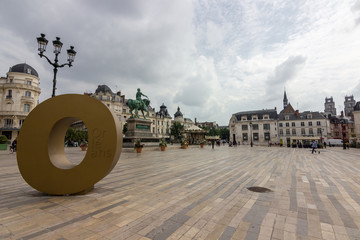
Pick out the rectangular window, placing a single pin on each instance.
(287, 124)
(267, 136)
(245, 136)
(255, 126)
(293, 124)
(293, 132)
(310, 123)
(311, 131)
(281, 132)
(124, 110)
(8, 123)
(266, 126)
(244, 127)
(318, 123)
(21, 121)
(303, 131)
(28, 82)
(9, 94)
(26, 107)
(256, 136)
(287, 132)
(319, 131)
(280, 124)
(302, 124)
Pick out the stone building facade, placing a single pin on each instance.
(259, 127)
(305, 127)
(19, 94)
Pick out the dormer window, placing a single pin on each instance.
(255, 117)
(243, 118)
(286, 117)
(309, 116)
(28, 71)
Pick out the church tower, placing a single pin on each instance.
(330, 109)
(285, 101)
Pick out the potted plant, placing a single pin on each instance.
(202, 143)
(184, 144)
(83, 146)
(162, 145)
(138, 145)
(3, 142)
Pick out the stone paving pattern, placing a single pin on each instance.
(196, 193)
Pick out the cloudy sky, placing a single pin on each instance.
(212, 58)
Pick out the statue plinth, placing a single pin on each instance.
(139, 128)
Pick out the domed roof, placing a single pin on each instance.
(104, 89)
(178, 113)
(24, 68)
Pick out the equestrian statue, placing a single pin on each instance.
(139, 104)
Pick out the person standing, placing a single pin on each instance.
(314, 146)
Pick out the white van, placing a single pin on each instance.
(335, 142)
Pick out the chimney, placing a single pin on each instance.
(342, 113)
(297, 113)
(195, 122)
(275, 109)
(118, 93)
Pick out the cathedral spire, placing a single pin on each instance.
(285, 101)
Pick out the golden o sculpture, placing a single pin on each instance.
(41, 156)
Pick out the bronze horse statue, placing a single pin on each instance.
(138, 105)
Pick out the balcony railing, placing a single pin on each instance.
(27, 99)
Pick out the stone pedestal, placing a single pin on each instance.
(139, 128)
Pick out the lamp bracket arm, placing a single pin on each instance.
(42, 55)
(65, 64)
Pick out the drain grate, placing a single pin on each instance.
(259, 189)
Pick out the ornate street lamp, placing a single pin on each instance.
(42, 42)
(251, 142)
(342, 122)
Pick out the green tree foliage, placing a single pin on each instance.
(225, 133)
(76, 135)
(176, 130)
(125, 128)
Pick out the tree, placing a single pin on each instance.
(76, 135)
(225, 133)
(214, 132)
(125, 128)
(176, 130)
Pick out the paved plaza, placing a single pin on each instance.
(195, 193)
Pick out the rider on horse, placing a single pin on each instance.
(138, 97)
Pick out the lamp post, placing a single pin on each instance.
(251, 142)
(42, 42)
(342, 122)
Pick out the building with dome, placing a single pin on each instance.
(19, 94)
(192, 133)
(160, 121)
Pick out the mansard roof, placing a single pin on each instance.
(299, 116)
(24, 68)
(104, 88)
(260, 113)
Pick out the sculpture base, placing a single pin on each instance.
(139, 128)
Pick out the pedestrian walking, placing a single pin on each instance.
(314, 146)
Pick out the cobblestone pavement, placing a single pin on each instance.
(196, 194)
